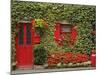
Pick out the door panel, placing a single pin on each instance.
(21, 56)
(29, 44)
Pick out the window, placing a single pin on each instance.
(28, 34)
(20, 35)
(65, 28)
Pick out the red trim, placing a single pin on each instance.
(73, 34)
(57, 32)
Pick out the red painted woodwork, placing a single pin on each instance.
(24, 54)
(33, 35)
(37, 39)
(93, 59)
(57, 32)
(73, 34)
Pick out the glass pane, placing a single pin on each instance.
(28, 34)
(65, 28)
(20, 35)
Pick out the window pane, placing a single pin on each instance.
(65, 28)
(28, 34)
(20, 35)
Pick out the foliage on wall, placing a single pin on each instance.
(81, 15)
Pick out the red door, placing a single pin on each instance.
(24, 54)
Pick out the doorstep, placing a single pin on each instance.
(18, 71)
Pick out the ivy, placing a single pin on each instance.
(81, 15)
